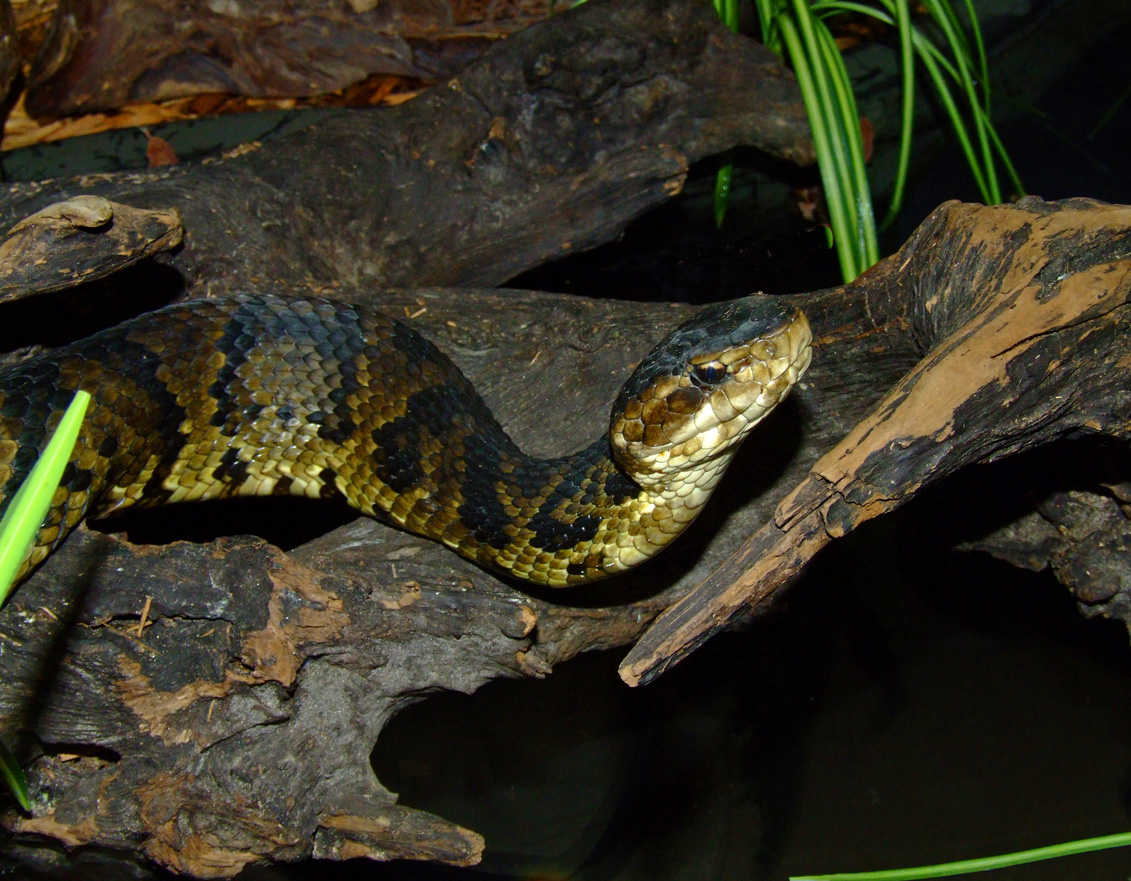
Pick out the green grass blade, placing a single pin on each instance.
(29, 506)
(907, 109)
(867, 248)
(982, 166)
(13, 775)
(826, 107)
(1003, 155)
(841, 155)
(927, 54)
(722, 192)
(822, 141)
(943, 14)
(767, 11)
(832, 153)
(18, 528)
(980, 57)
(728, 11)
(984, 864)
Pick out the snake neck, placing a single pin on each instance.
(551, 521)
(575, 518)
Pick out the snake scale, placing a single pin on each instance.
(258, 395)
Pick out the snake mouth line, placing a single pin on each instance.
(760, 379)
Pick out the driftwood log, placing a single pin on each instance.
(205, 706)
(101, 54)
(551, 142)
(235, 725)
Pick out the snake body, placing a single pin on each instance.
(258, 395)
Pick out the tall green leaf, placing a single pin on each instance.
(18, 529)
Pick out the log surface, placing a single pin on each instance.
(548, 144)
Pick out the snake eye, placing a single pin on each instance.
(711, 372)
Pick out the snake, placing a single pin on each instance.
(256, 394)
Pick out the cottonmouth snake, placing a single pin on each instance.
(259, 395)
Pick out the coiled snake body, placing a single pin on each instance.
(259, 395)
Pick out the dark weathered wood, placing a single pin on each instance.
(101, 54)
(79, 240)
(1024, 314)
(550, 143)
(9, 56)
(235, 726)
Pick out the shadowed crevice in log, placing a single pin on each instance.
(1016, 357)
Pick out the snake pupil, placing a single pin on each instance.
(710, 373)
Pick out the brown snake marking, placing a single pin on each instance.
(259, 395)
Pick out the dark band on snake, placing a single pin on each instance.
(259, 395)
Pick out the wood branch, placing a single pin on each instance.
(80, 240)
(549, 144)
(101, 54)
(1023, 312)
(174, 686)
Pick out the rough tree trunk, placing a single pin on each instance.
(550, 143)
(207, 706)
(101, 54)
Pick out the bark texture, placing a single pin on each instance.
(101, 54)
(550, 143)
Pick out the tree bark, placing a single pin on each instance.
(101, 54)
(550, 143)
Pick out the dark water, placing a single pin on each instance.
(904, 705)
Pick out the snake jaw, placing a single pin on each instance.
(678, 430)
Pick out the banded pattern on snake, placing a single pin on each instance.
(254, 395)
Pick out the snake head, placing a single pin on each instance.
(689, 403)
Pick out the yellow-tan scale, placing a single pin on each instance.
(260, 395)
(677, 436)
